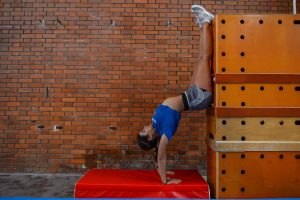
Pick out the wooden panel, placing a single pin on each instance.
(257, 78)
(254, 112)
(254, 129)
(258, 174)
(257, 44)
(212, 171)
(258, 95)
(237, 146)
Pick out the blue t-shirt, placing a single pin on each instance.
(165, 121)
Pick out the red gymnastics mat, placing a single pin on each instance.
(109, 183)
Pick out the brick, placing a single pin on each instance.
(98, 75)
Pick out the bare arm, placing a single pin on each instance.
(162, 158)
(162, 162)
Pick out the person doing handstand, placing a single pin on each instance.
(199, 96)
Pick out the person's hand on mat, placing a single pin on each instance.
(174, 181)
(170, 172)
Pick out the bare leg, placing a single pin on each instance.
(196, 67)
(201, 76)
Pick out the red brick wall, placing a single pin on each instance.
(98, 69)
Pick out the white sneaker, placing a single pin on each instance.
(202, 15)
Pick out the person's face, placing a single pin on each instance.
(147, 131)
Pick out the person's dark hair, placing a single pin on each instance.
(146, 144)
